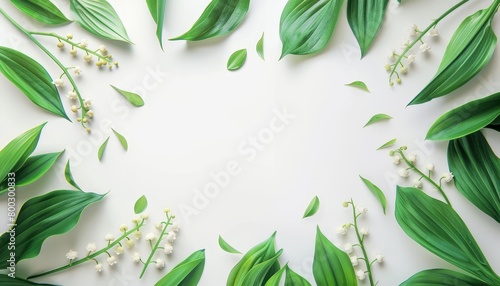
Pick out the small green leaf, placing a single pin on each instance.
(43, 11)
(260, 47)
(187, 273)
(98, 17)
(442, 277)
(32, 79)
(388, 144)
(141, 204)
(358, 84)
(133, 98)
(122, 139)
(157, 10)
(276, 278)
(312, 208)
(377, 118)
(69, 176)
(101, 150)
(294, 279)
(226, 247)
(377, 192)
(237, 59)
(221, 17)
(15, 281)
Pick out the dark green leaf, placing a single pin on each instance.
(186, 273)
(276, 278)
(442, 277)
(10, 281)
(466, 119)
(157, 10)
(102, 148)
(98, 17)
(476, 169)
(141, 204)
(294, 279)
(221, 17)
(377, 118)
(69, 176)
(41, 10)
(358, 84)
(122, 139)
(134, 98)
(226, 247)
(259, 272)
(237, 59)
(437, 227)
(312, 208)
(376, 191)
(32, 79)
(41, 217)
(260, 47)
(388, 144)
(306, 26)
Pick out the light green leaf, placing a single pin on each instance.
(98, 17)
(376, 191)
(358, 84)
(157, 10)
(388, 144)
(17, 151)
(437, 227)
(186, 273)
(306, 26)
(237, 59)
(221, 17)
(294, 279)
(261, 272)
(312, 208)
(260, 47)
(141, 204)
(41, 10)
(10, 281)
(101, 150)
(476, 169)
(276, 278)
(468, 52)
(365, 18)
(32, 79)
(226, 247)
(331, 266)
(122, 139)
(442, 277)
(69, 176)
(466, 119)
(377, 118)
(41, 217)
(133, 98)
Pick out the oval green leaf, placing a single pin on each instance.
(102, 148)
(237, 59)
(141, 204)
(226, 247)
(43, 11)
(358, 84)
(15, 281)
(186, 273)
(122, 139)
(41, 217)
(312, 208)
(466, 119)
(260, 47)
(377, 118)
(69, 176)
(221, 17)
(276, 278)
(32, 79)
(376, 191)
(98, 17)
(442, 277)
(388, 144)
(294, 279)
(306, 26)
(133, 98)
(157, 10)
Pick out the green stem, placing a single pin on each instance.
(362, 245)
(92, 256)
(153, 250)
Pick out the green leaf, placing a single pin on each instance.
(294, 279)
(365, 18)
(258, 274)
(69, 176)
(437, 227)
(476, 169)
(312, 208)
(122, 139)
(157, 10)
(237, 59)
(376, 191)
(98, 17)
(133, 98)
(466, 119)
(306, 26)
(226, 247)
(276, 278)
(468, 52)
(32, 79)
(16, 152)
(11, 281)
(442, 277)
(388, 144)
(141, 204)
(186, 273)
(331, 266)
(41, 217)
(358, 84)
(377, 118)
(41, 10)
(260, 47)
(221, 17)
(101, 150)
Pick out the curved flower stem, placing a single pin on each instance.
(155, 247)
(362, 245)
(422, 34)
(92, 256)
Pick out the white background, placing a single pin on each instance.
(197, 114)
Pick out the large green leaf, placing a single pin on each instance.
(10, 281)
(294, 279)
(221, 17)
(99, 18)
(41, 217)
(331, 266)
(442, 277)
(41, 10)
(477, 172)
(466, 119)
(365, 18)
(468, 52)
(306, 26)
(17, 151)
(32, 79)
(186, 273)
(157, 10)
(437, 227)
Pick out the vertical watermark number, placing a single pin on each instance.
(11, 214)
